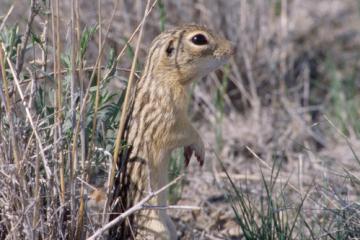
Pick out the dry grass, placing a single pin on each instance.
(283, 116)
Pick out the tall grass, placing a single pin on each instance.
(322, 212)
(291, 94)
(56, 118)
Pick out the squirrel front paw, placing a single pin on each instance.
(199, 151)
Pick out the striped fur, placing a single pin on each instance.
(159, 124)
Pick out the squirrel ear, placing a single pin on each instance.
(170, 48)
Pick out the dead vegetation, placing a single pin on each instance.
(283, 116)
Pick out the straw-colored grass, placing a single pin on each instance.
(281, 121)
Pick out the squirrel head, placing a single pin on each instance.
(187, 53)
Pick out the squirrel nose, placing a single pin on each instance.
(230, 47)
(226, 50)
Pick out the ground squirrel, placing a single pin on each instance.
(159, 123)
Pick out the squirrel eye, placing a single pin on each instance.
(170, 48)
(199, 39)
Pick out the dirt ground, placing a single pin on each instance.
(288, 95)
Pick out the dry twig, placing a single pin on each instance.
(34, 8)
(137, 207)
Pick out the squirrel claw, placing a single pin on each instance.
(188, 151)
(200, 159)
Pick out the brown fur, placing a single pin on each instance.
(159, 123)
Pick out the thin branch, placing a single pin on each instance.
(345, 137)
(92, 147)
(74, 158)
(176, 207)
(6, 17)
(83, 104)
(124, 111)
(28, 115)
(5, 97)
(20, 58)
(86, 183)
(268, 167)
(159, 207)
(129, 41)
(97, 96)
(137, 207)
(65, 70)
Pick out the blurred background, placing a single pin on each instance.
(281, 121)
